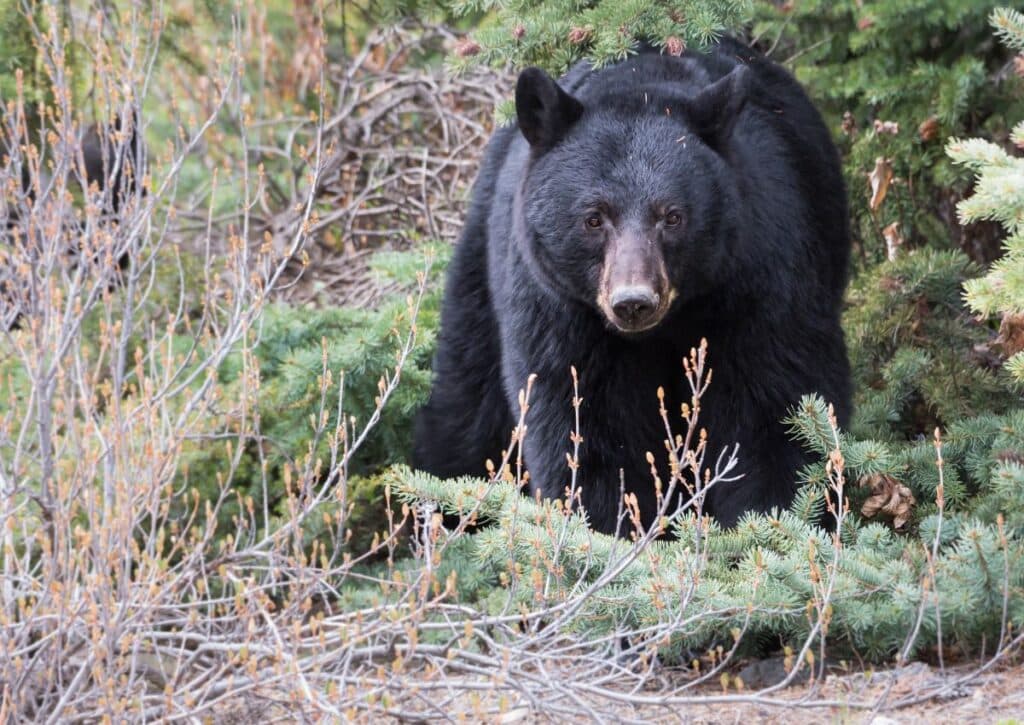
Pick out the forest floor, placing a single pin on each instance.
(993, 696)
(907, 697)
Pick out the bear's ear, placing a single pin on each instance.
(545, 112)
(715, 110)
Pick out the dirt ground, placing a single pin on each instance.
(901, 696)
(994, 696)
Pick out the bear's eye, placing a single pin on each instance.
(594, 221)
(672, 219)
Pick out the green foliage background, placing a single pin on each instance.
(922, 361)
(931, 66)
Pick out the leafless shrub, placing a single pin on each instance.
(404, 145)
(118, 599)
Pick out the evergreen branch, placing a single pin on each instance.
(1009, 25)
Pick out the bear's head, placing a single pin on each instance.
(628, 201)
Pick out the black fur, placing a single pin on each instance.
(727, 143)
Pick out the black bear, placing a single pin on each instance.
(634, 210)
(111, 160)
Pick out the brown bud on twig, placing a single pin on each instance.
(849, 124)
(466, 48)
(893, 240)
(890, 127)
(674, 45)
(929, 129)
(518, 32)
(1011, 334)
(578, 35)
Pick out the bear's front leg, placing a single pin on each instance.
(466, 421)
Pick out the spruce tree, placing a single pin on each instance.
(999, 196)
(556, 33)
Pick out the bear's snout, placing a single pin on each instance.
(635, 305)
(634, 293)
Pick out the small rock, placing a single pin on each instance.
(765, 673)
(515, 715)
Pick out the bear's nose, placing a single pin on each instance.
(634, 305)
